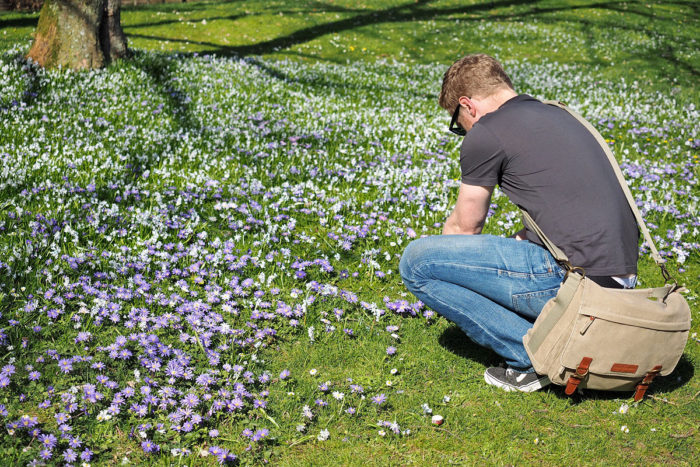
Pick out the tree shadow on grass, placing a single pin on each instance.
(161, 76)
(193, 21)
(29, 93)
(504, 10)
(407, 12)
(19, 22)
(317, 82)
(424, 10)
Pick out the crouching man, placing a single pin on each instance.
(547, 163)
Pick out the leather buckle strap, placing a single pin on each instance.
(644, 384)
(580, 373)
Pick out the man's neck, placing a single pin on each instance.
(497, 99)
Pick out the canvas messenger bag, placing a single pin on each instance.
(593, 337)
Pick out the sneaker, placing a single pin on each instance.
(511, 379)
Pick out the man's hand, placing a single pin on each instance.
(520, 235)
(469, 213)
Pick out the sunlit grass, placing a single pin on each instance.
(228, 170)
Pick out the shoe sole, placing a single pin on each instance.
(532, 387)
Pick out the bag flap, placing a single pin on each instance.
(639, 307)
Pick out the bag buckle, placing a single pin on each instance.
(573, 270)
(644, 384)
(578, 375)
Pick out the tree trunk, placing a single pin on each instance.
(111, 33)
(78, 34)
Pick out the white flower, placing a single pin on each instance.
(323, 435)
(103, 416)
(338, 395)
(307, 412)
(624, 408)
(313, 371)
(624, 429)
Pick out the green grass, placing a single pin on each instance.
(653, 43)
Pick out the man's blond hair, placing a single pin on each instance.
(476, 75)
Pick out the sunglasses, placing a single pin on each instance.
(455, 127)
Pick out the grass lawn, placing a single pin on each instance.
(652, 42)
(199, 247)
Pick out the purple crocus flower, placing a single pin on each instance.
(149, 446)
(260, 434)
(86, 455)
(69, 455)
(48, 440)
(379, 399)
(190, 400)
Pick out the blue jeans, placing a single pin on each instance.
(492, 287)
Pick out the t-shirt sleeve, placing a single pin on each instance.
(481, 157)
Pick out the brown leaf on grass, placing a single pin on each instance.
(682, 435)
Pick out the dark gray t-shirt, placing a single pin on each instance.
(551, 166)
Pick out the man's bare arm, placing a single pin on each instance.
(469, 213)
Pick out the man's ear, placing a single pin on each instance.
(469, 104)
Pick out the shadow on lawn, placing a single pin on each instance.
(454, 340)
(162, 81)
(278, 74)
(24, 22)
(683, 373)
(29, 93)
(423, 10)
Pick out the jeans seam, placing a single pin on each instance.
(527, 274)
(419, 268)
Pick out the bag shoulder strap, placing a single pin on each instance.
(556, 252)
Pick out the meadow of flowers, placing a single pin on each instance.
(170, 224)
